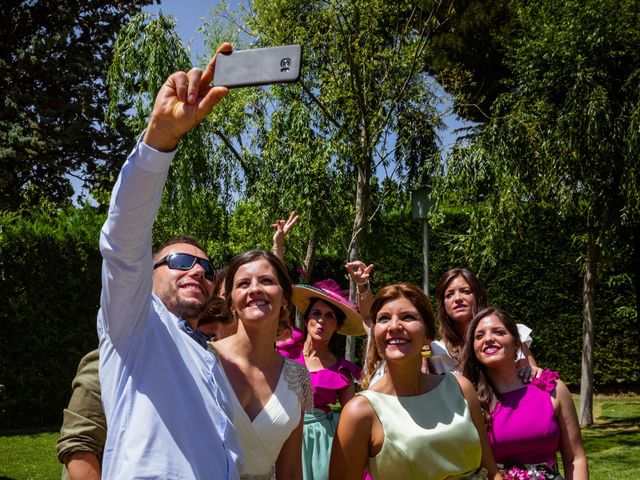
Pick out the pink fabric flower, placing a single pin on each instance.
(547, 381)
(530, 472)
(333, 290)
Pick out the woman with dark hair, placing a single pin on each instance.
(410, 424)
(527, 423)
(460, 295)
(327, 310)
(217, 323)
(268, 393)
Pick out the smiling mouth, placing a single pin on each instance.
(192, 286)
(397, 341)
(490, 350)
(257, 303)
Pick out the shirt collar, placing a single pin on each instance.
(195, 334)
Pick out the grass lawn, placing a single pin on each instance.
(612, 444)
(29, 456)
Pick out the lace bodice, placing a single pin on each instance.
(297, 377)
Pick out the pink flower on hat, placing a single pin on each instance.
(332, 288)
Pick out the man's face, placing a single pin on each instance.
(185, 293)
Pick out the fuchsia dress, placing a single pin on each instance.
(524, 431)
(319, 424)
(292, 348)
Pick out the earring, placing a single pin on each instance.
(425, 351)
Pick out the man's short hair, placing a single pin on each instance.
(188, 239)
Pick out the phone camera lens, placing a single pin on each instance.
(285, 62)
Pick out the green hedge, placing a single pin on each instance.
(50, 287)
(50, 284)
(539, 282)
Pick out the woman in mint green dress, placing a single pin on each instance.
(410, 425)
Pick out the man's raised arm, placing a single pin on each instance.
(182, 103)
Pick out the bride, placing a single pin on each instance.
(269, 393)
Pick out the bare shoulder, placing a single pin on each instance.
(223, 347)
(561, 389)
(561, 395)
(358, 409)
(466, 387)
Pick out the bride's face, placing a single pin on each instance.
(256, 295)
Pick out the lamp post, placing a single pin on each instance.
(420, 205)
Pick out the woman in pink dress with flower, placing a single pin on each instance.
(527, 424)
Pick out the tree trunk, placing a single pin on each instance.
(359, 224)
(588, 301)
(635, 235)
(309, 262)
(309, 259)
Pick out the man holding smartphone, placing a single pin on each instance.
(165, 408)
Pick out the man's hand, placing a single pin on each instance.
(528, 373)
(183, 102)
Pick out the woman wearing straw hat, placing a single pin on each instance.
(326, 311)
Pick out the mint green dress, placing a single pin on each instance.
(426, 437)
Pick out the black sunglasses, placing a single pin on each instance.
(186, 261)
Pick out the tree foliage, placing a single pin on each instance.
(147, 51)
(53, 65)
(564, 135)
(363, 105)
(468, 58)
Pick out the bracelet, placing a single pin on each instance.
(366, 285)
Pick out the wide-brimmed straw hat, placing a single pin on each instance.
(329, 291)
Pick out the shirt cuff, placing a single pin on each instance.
(151, 159)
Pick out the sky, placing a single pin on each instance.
(188, 12)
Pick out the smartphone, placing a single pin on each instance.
(258, 66)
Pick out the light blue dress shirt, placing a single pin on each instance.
(167, 413)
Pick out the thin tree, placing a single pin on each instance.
(565, 135)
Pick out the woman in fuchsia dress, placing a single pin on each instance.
(526, 423)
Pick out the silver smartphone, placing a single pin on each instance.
(258, 66)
